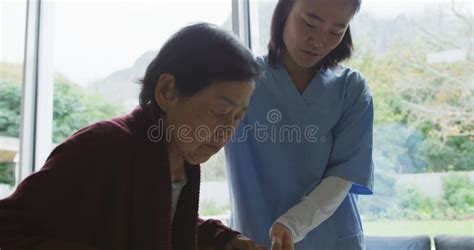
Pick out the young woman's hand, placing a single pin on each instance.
(242, 243)
(281, 237)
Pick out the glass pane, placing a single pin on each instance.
(102, 49)
(418, 58)
(419, 61)
(12, 43)
(261, 12)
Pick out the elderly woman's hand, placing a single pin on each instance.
(242, 242)
(281, 237)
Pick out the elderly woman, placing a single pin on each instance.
(133, 182)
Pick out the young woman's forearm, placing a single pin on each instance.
(315, 208)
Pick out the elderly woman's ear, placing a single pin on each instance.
(165, 92)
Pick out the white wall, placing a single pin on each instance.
(430, 184)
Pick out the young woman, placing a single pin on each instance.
(133, 182)
(304, 148)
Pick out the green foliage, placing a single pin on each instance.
(379, 70)
(10, 103)
(407, 202)
(405, 89)
(455, 152)
(458, 193)
(7, 173)
(414, 205)
(73, 109)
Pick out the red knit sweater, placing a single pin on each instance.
(107, 187)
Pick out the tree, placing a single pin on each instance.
(73, 109)
(435, 99)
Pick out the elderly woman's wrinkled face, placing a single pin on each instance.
(200, 125)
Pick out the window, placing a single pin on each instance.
(12, 43)
(98, 60)
(92, 56)
(261, 12)
(102, 49)
(419, 61)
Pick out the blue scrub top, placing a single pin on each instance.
(288, 142)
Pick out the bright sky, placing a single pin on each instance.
(91, 39)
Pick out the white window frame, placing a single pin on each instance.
(37, 94)
(36, 129)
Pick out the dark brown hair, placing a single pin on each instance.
(197, 56)
(276, 44)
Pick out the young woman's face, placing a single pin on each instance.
(314, 28)
(205, 122)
